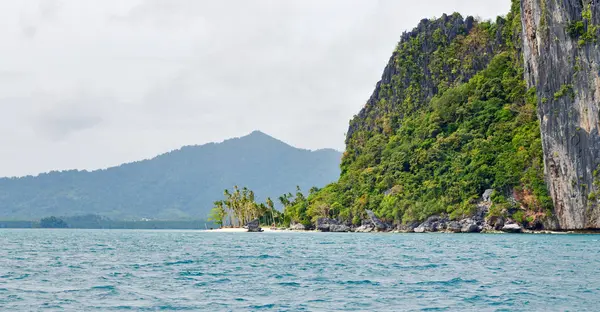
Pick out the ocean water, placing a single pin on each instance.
(95, 270)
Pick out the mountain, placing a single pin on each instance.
(451, 118)
(562, 61)
(181, 184)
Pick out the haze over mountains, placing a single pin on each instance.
(181, 184)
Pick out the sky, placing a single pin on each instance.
(89, 84)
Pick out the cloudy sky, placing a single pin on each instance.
(89, 84)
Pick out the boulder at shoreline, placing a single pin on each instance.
(254, 226)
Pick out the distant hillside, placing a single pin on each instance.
(178, 185)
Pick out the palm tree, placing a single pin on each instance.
(313, 190)
(229, 205)
(241, 207)
(285, 199)
(271, 207)
(237, 205)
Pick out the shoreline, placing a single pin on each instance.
(279, 230)
(264, 230)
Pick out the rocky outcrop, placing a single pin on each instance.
(432, 224)
(454, 227)
(407, 228)
(562, 62)
(512, 228)
(487, 196)
(331, 225)
(297, 227)
(376, 223)
(253, 226)
(442, 224)
(365, 228)
(339, 228)
(494, 223)
(470, 228)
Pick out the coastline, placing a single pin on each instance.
(281, 230)
(243, 230)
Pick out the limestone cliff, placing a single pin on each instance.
(562, 62)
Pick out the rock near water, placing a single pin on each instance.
(376, 222)
(297, 227)
(454, 227)
(254, 226)
(432, 224)
(331, 225)
(512, 228)
(365, 228)
(407, 228)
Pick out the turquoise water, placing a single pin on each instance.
(87, 270)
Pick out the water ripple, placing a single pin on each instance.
(76, 270)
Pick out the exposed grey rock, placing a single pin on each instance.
(254, 226)
(482, 211)
(364, 229)
(535, 225)
(470, 228)
(454, 227)
(487, 196)
(550, 223)
(495, 223)
(298, 227)
(426, 227)
(470, 225)
(407, 228)
(420, 229)
(512, 228)
(433, 219)
(377, 223)
(433, 224)
(338, 228)
(564, 70)
(331, 225)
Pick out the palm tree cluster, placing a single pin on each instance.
(239, 207)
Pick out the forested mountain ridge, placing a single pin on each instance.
(181, 184)
(451, 117)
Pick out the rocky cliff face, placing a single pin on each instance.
(562, 61)
(418, 70)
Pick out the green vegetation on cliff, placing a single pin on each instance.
(450, 118)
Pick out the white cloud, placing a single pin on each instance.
(158, 74)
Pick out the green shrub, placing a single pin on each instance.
(518, 216)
